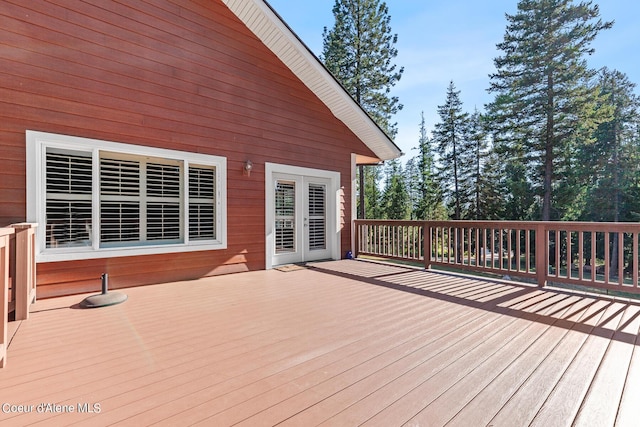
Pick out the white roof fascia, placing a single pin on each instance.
(280, 39)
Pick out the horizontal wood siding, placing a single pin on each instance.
(177, 75)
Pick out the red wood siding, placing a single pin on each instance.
(182, 75)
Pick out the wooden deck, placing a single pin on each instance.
(339, 343)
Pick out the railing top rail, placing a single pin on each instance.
(625, 227)
(628, 227)
(24, 225)
(485, 224)
(6, 231)
(397, 222)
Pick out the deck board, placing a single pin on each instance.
(524, 404)
(565, 401)
(450, 346)
(629, 410)
(474, 400)
(609, 381)
(337, 343)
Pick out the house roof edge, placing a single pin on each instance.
(274, 32)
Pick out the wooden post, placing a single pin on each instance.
(541, 249)
(426, 231)
(5, 235)
(25, 280)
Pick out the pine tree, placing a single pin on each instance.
(544, 103)
(373, 200)
(412, 184)
(610, 162)
(450, 137)
(359, 51)
(493, 189)
(429, 195)
(395, 199)
(477, 139)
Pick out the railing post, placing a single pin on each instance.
(5, 234)
(426, 231)
(356, 239)
(25, 263)
(542, 258)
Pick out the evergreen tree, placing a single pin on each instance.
(429, 197)
(449, 137)
(412, 184)
(359, 50)
(611, 161)
(477, 138)
(544, 103)
(395, 199)
(493, 190)
(373, 200)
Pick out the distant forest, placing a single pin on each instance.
(559, 141)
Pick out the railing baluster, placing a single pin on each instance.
(478, 247)
(620, 258)
(501, 249)
(469, 240)
(580, 255)
(634, 260)
(427, 230)
(509, 248)
(530, 238)
(441, 230)
(568, 257)
(517, 251)
(594, 269)
(606, 258)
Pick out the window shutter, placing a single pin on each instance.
(285, 217)
(317, 222)
(120, 201)
(68, 199)
(119, 177)
(163, 202)
(68, 173)
(202, 214)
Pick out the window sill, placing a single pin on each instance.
(74, 254)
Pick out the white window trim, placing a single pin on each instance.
(38, 142)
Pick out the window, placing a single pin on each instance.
(97, 198)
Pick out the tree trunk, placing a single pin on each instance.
(616, 195)
(548, 152)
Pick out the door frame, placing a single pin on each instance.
(333, 203)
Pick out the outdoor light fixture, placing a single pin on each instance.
(248, 166)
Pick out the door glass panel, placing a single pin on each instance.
(285, 218)
(317, 217)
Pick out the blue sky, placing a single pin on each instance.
(455, 40)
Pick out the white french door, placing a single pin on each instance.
(301, 218)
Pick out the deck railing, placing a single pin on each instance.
(597, 255)
(17, 278)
